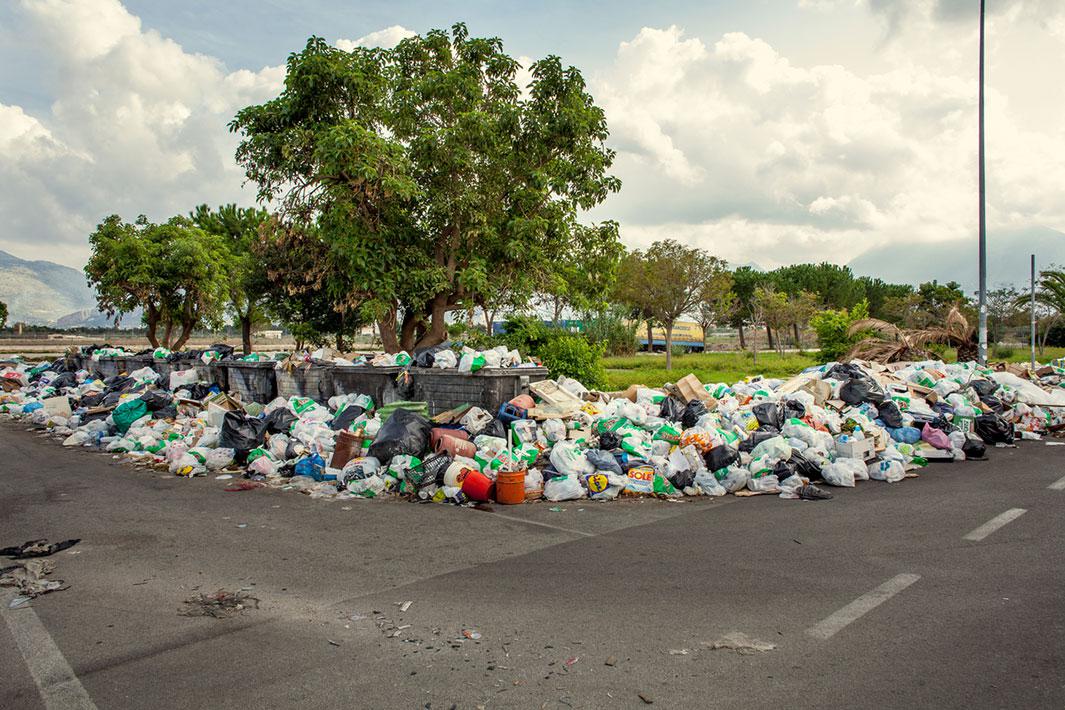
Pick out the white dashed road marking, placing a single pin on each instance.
(1058, 485)
(994, 524)
(60, 689)
(831, 625)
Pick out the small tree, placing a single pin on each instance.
(3, 314)
(775, 311)
(246, 282)
(174, 271)
(666, 282)
(717, 301)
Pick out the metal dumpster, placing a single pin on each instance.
(379, 383)
(305, 380)
(487, 388)
(251, 381)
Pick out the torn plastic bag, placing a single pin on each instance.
(346, 417)
(241, 432)
(405, 432)
(693, 411)
(495, 428)
(793, 408)
(993, 429)
(609, 440)
(671, 409)
(767, 414)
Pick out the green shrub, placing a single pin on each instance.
(831, 327)
(573, 356)
(610, 330)
(527, 334)
(1001, 352)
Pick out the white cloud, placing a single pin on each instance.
(137, 125)
(729, 145)
(388, 37)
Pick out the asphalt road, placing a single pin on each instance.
(873, 599)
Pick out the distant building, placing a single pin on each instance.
(269, 334)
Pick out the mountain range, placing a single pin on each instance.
(44, 293)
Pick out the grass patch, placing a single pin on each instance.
(650, 369)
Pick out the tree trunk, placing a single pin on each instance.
(556, 314)
(489, 318)
(743, 340)
(186, 333)
(387, 330)
(245, 333)
(166, 333)
(650, 339)
(769, 336)
(152, 319)
(669, 345)
(795, 330)
(341, 345)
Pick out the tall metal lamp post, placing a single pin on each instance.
(982, 352)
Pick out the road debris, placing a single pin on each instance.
(220, 604)
(741, 643)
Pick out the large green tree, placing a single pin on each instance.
(246, 281)
(174, 271)
(437, 182)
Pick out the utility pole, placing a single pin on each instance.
(982, 353)
(1033, 311)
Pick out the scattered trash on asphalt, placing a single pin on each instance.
(742, 644)
(471, 634)
(405, 605)
(37, 548)
(29, 578)
(220, 604)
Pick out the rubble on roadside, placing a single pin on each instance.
(834, 425)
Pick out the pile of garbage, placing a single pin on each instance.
(836, 425)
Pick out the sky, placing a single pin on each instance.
(765, 131)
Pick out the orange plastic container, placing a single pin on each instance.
(510, 487)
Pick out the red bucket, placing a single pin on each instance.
(478, 486)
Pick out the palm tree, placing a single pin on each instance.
(1050, 295)
(886, 342)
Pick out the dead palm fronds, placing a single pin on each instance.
(886, 342)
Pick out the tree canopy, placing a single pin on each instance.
(246, 281)
(174, 271)
(433, 180)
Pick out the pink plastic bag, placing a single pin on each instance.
(936, 437)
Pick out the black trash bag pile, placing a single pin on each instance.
(720, 457)
(993, 429)
(672, 409)
(693, 411)
(767, 414)
(890, 414)
(241, 433)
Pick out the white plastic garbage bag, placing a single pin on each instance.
(888, 471)
(445, 360)
(568, 459)
(183, 378)
(708, 485)
(838, 474)
(566, 487)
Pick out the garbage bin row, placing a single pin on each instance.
(263, 381)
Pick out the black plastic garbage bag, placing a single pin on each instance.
(983, 388)
(405, 432)
(156, 400)
(347, 415)
(683, 479)
(844, 371)
(994, 403)
(861, 390)
(241, 432)
(993, 429)
(890, 414)
(757, 437)
(720, 457)
(974, 448)
(608, 441)
(767, 414)
(693, 411)
(66, 379)
(603, 461)
(495, 428)
(804, 466)
(671, 409)
(279, 421)
(426, 357)
(793, 409)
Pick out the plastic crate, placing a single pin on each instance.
(315, 382)
(251, 381)
(487, 388)
(378, 382)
